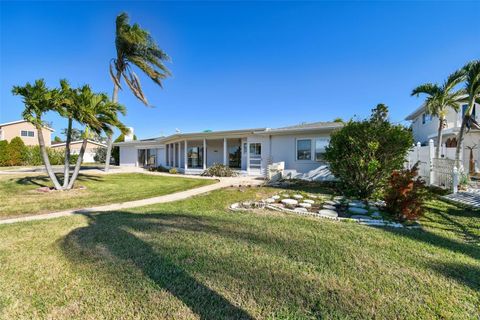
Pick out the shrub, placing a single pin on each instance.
(16, 152)
(158, 169)
(219, 170)
(405, 194)
(363, 154)
(173, 171)
(3, 153)
(100, 154)
(33, 156)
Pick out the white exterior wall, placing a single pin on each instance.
(161, 157)
(214, 152)
(128, 156)
(284, 148)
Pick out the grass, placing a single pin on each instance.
(19, 195)
(194, 259)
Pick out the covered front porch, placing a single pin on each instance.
(193, 156)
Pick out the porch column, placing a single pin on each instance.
(248, 157)
(224, 151)
(185, 156)
(179, 156)
(204, 154)
(165, 155)
(171, 155)
(174, 154)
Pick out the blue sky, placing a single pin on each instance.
(244, 64)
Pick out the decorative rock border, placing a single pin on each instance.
(339, 209)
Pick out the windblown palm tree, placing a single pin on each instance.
(38, 100)
(472, 89)
(135, 47)
(99, 115)
(440, 98)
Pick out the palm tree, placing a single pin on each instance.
(472, 89)
(135, 47)
(99, 115)
(39, 99)
(440, 98)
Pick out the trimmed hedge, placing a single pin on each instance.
(17, 153)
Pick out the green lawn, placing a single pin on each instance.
(19, 195)
(194, 259)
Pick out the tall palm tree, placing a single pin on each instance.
(135, 47)
(39, 99)
(99, 115)
(67, 107)
(472, 89)
(440, 98)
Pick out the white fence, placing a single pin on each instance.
(439, 172)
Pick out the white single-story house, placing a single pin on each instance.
(75, 146)
(249, 151)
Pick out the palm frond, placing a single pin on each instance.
(427, 88)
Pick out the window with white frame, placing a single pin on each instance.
(304, 149)
(26, 133)
(320, 145)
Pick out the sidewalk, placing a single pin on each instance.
(223, 183)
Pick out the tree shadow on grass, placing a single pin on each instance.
(109, 232)
(44, 181)
(462, 273)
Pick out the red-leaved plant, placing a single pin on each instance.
(405, 194)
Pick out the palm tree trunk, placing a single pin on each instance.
(461, 134)
(439, 137)
(46, 160)
(109, 138)
(78, 164)
(66, 168)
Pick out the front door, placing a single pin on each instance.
(255, 157)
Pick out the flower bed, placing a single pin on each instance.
(324, 206)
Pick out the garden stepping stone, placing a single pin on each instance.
(358, 210)
(330, 202)
(327, 206)
(356, 204)
(361, 217)
(290, 202)
(309, 201)
(298, 196)
(328, 213)
(305, 205)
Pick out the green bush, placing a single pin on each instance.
(219, 170)
(100, 154)
(33, 156)
(173, 171)
(3, 153)
(158, 169)
(363, 154)
(16, 152)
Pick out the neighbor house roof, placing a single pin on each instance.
(62, 144)
(20, 121)
(416, 113)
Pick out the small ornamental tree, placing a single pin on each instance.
(16, 150)
(363, 154)
(405, 194)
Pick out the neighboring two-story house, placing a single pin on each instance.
(26, 131)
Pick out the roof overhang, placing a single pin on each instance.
(21, 121)
(211, 135)
(415, 113)
(325, 129)
(62, 144)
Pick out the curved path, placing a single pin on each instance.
(223, 183)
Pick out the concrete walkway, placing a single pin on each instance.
(223, 183)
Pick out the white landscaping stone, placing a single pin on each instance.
(276, 197)
(356, 204)
(376, 214)
(312, 196)
(298, 196)
(361, 217)
(330, 202)
(328, 213)
(290, 202)
(358, 210)
(305, 205)
(330, 207)
(270, 200)
(309, 201)
(302, 210)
